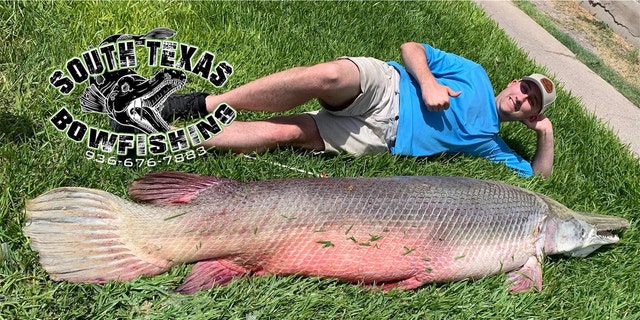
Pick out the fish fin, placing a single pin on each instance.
(171, 187)
(92, 100)
(208, 273)
(527, 277)
(77, 233)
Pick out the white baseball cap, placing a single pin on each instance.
(547, 88)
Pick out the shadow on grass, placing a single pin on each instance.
(518, 146)
(16, 128)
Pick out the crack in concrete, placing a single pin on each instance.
(573, 56)
(596, 3)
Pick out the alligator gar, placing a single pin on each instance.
(387, 232)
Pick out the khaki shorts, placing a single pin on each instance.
(369, 124)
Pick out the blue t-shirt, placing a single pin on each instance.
(469, 126)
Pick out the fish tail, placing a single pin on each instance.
(77, 233)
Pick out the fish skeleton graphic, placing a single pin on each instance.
(391, 231)
(129, 98)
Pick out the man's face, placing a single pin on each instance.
(521, 100)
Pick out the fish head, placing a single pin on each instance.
(578, 234)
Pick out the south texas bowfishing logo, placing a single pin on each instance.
(135, 102)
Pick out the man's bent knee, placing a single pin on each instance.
(338, 82)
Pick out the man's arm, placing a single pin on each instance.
(542, 163)
(434, 95)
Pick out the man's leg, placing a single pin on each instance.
(336, 83)
(245, 137)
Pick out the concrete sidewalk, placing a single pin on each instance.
(597, 96)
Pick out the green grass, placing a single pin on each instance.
(593, 170)
(591, 60)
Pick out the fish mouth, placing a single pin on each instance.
(602, 232)
(607, 235)
(606, 226)
(604, 237)
(580, 233)
(592, 241)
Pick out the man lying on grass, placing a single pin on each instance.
(438, 102)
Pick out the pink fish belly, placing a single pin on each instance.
(391, 258)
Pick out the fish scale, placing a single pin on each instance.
(356, 193)
(391, 231)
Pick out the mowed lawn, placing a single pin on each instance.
(593, 171)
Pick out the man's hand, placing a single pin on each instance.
(436, 96)
(538, 123)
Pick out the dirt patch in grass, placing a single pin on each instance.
(594, 35)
